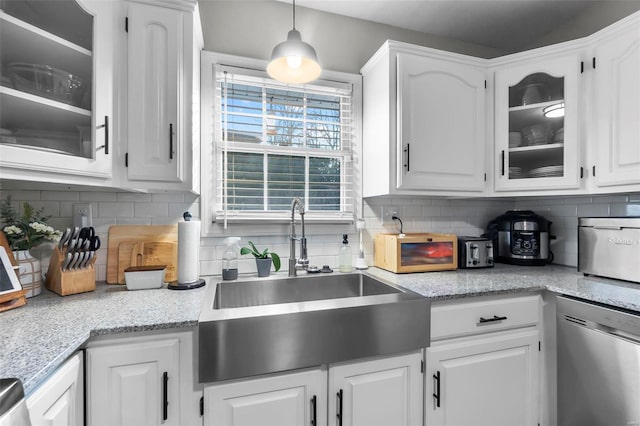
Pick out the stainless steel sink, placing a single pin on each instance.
(261, 326)
(286, 290)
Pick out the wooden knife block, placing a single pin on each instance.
(71, 281)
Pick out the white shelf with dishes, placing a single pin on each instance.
(45, 90)
(536, 146)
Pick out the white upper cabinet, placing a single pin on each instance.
(56, 91)
(162, 87)
(424, 125)
(434, 97)
(537, 143)
(615, 119)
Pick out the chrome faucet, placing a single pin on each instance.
(302, 262)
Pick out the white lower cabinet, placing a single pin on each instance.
(483, 381)
(292, 399)
(60, 400)
(483, 365)
(382, 391)
(378, 392)
(144, 380)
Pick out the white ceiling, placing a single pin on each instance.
(509, 25)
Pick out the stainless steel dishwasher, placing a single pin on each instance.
(598, 364)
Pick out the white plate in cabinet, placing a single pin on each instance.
(537, 161)
(458, 319)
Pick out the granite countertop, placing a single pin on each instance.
(38, 337)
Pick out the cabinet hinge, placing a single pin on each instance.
(126, 159)
(581, 67)
(202, 405)
(126, 24)
(593, 62)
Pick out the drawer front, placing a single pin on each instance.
(482, 316)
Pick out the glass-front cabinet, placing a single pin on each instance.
(536, 132)
(55, 89)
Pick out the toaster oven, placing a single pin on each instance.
(402, 253)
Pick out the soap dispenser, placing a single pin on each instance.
(230, 259)
(344, 259)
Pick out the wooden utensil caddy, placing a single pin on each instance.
(70, 281)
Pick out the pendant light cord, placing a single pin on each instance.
(294, 14)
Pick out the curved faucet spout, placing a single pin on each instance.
(303, 261)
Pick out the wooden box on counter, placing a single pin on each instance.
(404, 253)
(71, 281)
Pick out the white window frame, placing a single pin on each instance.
(264, 223)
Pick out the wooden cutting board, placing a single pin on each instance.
(125, 249)
(157, 253)
(128, 234)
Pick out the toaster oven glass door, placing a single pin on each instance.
(426, 253)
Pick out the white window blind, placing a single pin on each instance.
(275, 142)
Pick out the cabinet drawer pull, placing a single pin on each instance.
(408, 157)
(494, 319)
(314, 412)
(165, 396)
(105, 126)
(339, 413)
(436, 386)
(170, 141)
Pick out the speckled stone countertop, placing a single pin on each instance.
(503, 279)
(35, 339)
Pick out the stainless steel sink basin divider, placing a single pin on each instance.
(255, 327)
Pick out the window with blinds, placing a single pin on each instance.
(276, 142)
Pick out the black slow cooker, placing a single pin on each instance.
(521, 238)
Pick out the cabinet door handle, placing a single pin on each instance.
(494, 319)
(165, 396)
(105, 126)
(339, 413)
(502, 163)
(314, 412)
(408, 166)
(170, 141)
(436, 386)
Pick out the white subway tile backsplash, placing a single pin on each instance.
(168, 197)
(60, 195)
(593, 210)
(134, 197)
(419, 214)
(115, 209)
(98, 196)
(151, 210)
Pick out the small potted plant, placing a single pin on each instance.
(263, 259)
(24, 232)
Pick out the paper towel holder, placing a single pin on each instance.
(186, 286)
(177, 285)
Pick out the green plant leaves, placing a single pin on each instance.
(265, 254)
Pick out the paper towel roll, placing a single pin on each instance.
(188, 251)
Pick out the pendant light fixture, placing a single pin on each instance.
(293, 60)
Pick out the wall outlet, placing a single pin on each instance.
(388, 212)
(82, 216)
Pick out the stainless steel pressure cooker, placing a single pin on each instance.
(521, 237)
